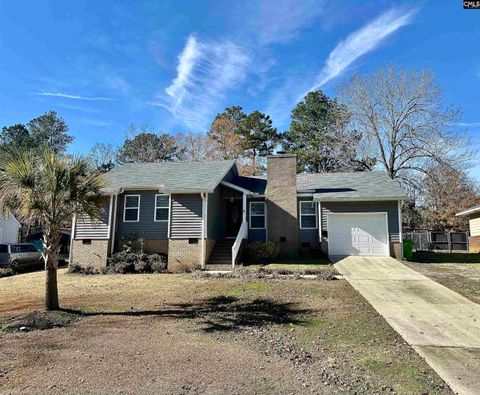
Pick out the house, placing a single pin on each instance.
(202, 213)
(9, 227)
(473, 215)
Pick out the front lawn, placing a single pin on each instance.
(183, 334)
(463, 278)
(444, 257)
(296, 264)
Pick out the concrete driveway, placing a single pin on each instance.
(439, 324)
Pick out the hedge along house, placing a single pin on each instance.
(202, 213)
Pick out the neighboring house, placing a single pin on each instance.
(203, 213)
(9, 227)
(473, 215)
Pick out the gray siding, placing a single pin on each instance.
(391, 207)
(86, 228)
(146, 227)
(256, 234)
(307, 235)
(186, 216)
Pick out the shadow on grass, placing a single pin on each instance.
(221, 313)
(444, 257)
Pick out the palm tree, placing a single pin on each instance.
(49, 188)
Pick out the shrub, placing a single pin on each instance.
(158, 263)
(6, 272)
(124, 267)
(135, 262)
(262, 252)
(85, 270)
(131, 244)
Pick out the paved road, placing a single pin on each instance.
(441, 325)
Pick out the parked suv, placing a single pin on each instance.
(18, 255)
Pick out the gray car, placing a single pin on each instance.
(18, 255)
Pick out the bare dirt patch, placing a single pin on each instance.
(182, 335)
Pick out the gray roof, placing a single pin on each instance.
(168, 176)
(336, 186)
(255, 184)
(350, 186)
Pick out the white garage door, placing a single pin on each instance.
(358, 234)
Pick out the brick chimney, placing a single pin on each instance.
(281, 197)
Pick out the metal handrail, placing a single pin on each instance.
(242, 234)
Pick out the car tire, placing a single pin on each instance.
(15, 266)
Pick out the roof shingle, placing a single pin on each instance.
(168, 176)
(337, 186)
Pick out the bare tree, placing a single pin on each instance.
(103, 157)
(193, 145)
(223, 140)
(405, 122)
(448, 191)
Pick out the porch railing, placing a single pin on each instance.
(242, 234)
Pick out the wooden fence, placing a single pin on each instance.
(438, 241)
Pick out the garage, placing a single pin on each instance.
(364, 234)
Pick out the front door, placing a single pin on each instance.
(234, 217)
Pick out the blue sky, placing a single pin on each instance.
(174, 64)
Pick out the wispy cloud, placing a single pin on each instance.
(278, 21)
(361, 42)
(205, 73)
(183, 81)
(119, 84)
(79, 108)
(73, 97)
(95, 122)
(355, 45)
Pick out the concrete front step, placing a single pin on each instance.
(219, 261)
(218, 267)
(224, 256)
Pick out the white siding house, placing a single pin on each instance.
(9, 228)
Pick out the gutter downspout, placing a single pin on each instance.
(400, 226)
(204, 222)
(72, 237)
(113, 223)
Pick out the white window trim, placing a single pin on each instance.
(309, 215)
(167, 207)
(125, 208)
(256, 215)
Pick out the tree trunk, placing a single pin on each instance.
(51, 290)
(51, 248)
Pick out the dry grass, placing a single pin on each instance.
(461, 278)
(184, 335)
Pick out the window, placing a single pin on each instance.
(162, 208)
(308, 215)
(3, 249)
(30, 248)
(131, 211)
(22, 248)
(257, 215)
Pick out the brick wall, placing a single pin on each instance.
(183, 256)
(396, 250)
(94, 254)
(474, 244)
(281, 196)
